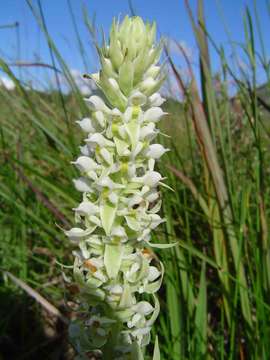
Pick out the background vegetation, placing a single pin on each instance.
(215, 298)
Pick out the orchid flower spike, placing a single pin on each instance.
(114, 265)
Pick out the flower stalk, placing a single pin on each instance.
(115, 268)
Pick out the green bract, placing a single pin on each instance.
(114, 264)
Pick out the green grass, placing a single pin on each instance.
(215, 297)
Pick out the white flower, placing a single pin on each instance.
(115, 289)
(107, 156)
(148, 84)
(143, 308)
(151, 178)
(137, 98)
(119, 231)
(87, 208)
(99, 116)
(97, 104)
(75, 234)
(148, 131)
(85, 150)
(153, 114)
(113, 198)
(85, 164)
(156, 100)
(82, 185)
(107, 182)
(154, 273)
(86, 125)
(155, 151)
(99, 139)
(141, 331)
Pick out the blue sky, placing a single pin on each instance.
(170, 15)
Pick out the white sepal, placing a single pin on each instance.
(96, 103)
(85, 164)
(155, 151)
(86, 125)
(82, 185)
(87, 208)
(153, 114)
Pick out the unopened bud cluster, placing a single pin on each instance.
(114, 267)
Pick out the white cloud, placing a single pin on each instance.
(7, 83)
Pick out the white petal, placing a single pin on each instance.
(151, 164)
(151, 178)
(107, 182)
(122, 131)
(156, 100)
(135, 200)
(100, 276)
(131, 170)
(85, 164)
(138, 149)
(153, 196)
(100, 118)
(107, 156)
(134, 320)
(154, 273)
(99, 139)
(153, 114)
(145, 235)
(141, 331)
(143, 308)
(119, 231)
(148, 83)
(148, 131)
(155, 151)
(137, 98)
(86, 125)
(116, 112)
(85, 150)
(115, 289)
(77, 233)
(96, 103)
(127, 114)
(82, 185)
(87, 208)
(113, 198)
(95, 220)
(133, 269)
(98, 263)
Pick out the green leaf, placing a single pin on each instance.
(107, 216)
(126, 74)
(112, 259)
(162, 246)
(133, 130)
(121, 146)
(156, 355)
(126, 298)
(201, 316)
(136, 352)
